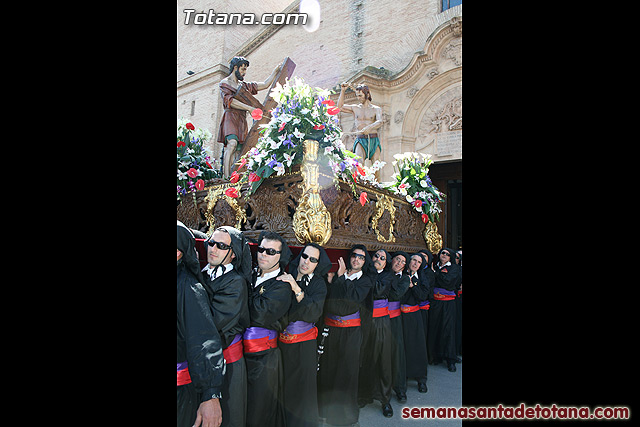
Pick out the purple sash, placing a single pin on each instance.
(256, 332)
(380, 303)
(355, 315)
(443, 292)
(394, 305)
(182, 365)
(298, 327)
(423, 303)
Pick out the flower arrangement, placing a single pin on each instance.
(195, 165)
(411, 181)
(302, 113)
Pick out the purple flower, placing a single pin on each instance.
(343, 166)
(273, 162)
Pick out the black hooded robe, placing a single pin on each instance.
(228, 298)
(268, 303)
(299, 359)
(199, 350)
(415, 346)
(442, 320)
(428, 278)
(376, 373)
(340, 362)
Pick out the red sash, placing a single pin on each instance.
(441, 297)
(259, 344)
(183, 374)
(381, 312)
(409, 308)
(343, 323)
(311, 334)
(394, 313)
(233, 353)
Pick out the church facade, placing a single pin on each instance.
(408, 53)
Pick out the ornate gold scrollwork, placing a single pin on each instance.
(384, 203)
(311, 220)
(215, 194)
(433, 239)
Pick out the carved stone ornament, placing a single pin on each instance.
(311, 220)
(216, 194)
(433, 239)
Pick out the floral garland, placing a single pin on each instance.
(302, 113)
(195, 165)
(411, 181)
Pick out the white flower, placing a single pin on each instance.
(298, 134)
(288, 159)
(279, 169)
(423, 183)
(305, 111)
(409, 198)
(182, 175)
(328, 150)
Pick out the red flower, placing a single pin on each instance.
(256, 114)
(417, 203)
(282, 126)
(200, 184)
(329, 102)
(234, 177)
(360, 170)
(190, 126)
(363, 198)
(332, 111)
(242, 163)
(425, 218)
(192, 173)
(231, 192)
(253, 177)
(318, 127)
(181, 144)
(208, 164)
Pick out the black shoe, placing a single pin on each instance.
(422, 388)
(452, 367)
(387, 410)
(402, 397)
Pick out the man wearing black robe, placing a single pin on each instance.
(415, 346)
(199, 350)
(269, 301)
(428, 279)
(442, 320)
(225, 277)
(376, 374)
(399, 287)
(298, 341)
(338, 370)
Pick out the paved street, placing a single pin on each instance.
(444, 389)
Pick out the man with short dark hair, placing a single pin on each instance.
(269, 301)
(338, 371)
(199, 351)
(226, 276)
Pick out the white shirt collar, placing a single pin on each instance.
(211, 270)
(446, 264)
(267, 276)
(354, 276)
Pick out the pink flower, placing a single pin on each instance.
(425, 218)
(282, 126)
(417, 203)
(363, 198)
(200, 184)
(256, 114)
(192, 173)
(329, 102)
(318, 127)
(253, 177)
(332, 111)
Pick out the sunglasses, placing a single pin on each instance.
(446, 253)
(220, 245)
(382, 257)
(312, 259)
(358, 256)
(269, 251)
